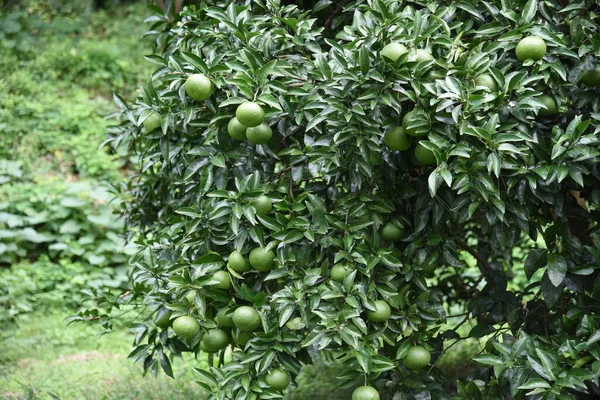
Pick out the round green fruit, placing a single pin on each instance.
(382, 312)
(162, 319)
(420, 55)
(393, 51)
(262, 259)
(531, 48)
(409, 122)
(488, 81)
(278, 379)
(223, 319)
(198, 87)
(550, 103)
(223, 280)
(246, 319)
(260, 134)
(396, 139)
(591, 77)
(238, 262)
(429, 268)
(240, 338)
(152, 122)
(215, 340)
(262, 204)
(340, 271)
(186, 327)
(416, 358)
(424, 156)
(365, 393)
(236, 130)
(250, 114)
(391, 232)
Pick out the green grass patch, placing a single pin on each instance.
(45, 359)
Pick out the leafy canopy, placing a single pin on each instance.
(496, 182)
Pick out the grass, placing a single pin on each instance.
(44, 358)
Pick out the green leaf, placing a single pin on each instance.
(535, 260)
(549, 362)
(529, 11)
(535, 383)
(481, 330)
(488, 359)
(557, 268)
(270, 100)
(434, 182)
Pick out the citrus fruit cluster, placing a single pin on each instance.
(417, 146)
(248, 123)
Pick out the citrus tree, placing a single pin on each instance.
(327, 180)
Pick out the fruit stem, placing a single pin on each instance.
(211, 360)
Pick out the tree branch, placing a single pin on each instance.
(482, 263)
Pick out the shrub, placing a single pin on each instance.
(64, 221)
(492, 175)
(44, 285)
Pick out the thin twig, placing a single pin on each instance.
(484, 266)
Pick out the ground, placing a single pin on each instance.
(47, 359)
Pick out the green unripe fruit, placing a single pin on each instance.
(365, 393)
(417, 358)
(241, 338)
(260, 134)
(238, 262)
(420, 55)
(278, 379)
(531, 47)
(198, 87)
(191, 297)
(224, 320)
(152, 122)
(262, 259)
(215, 340)
(487, 81)
(340, 271)
(591, 77)
(186, 327)
(223, 280)
(250, 114)
(262, 204)
(236, 130)
(396, 139)
(162, 319)
(429, 268)
(551, 106)
(246, 319)
(391, 232)
(382, 312)
(393, 51)
(424, 156)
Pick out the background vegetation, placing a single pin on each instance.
(60, 233)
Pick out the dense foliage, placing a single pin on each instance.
(506, 159)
